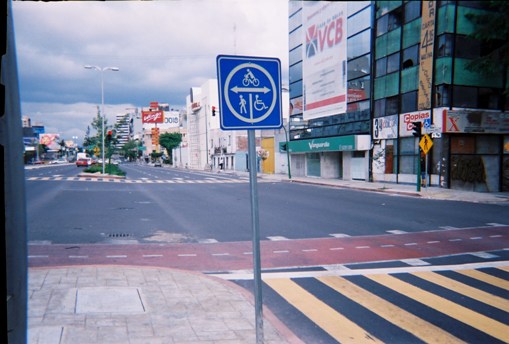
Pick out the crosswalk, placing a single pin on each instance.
(142, 180)
(419, 306)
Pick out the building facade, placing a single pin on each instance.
(404, 62)
(330, 78)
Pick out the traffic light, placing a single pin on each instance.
(416, 129)
(109, 136)
(213, 111)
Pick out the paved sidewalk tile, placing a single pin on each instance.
(110, 304)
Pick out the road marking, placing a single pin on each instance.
(448, 227)
(457, 239)
(310, 250)
(281, 251)
(335, 324)
(387, 246)
(208, 241)
(117, 256)
(465, 289)
(362, 247)
(484, 277)
(476, 238)
(420, 328)
(336, 248)
(339, 235)
(484, 255)
(397, 231)
(410, 244)
(277, 238)
(494, 224)
(187, 255)
(152, 255)
(496, 236)
(78, 257)
(454, 310)
(220, 254)
(38, 256)
(433, 242)
(415, 262)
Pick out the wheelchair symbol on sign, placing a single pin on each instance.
(250, 93)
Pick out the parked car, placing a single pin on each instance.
(84, 162)
(58, 161)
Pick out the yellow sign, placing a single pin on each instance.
(426, 143)
(96, 151)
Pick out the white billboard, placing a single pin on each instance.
(324, 58)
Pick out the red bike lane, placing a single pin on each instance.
(229, 256)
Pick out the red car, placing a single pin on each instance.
(84, 162)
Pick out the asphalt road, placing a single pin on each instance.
(169, 205)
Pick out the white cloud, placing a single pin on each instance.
(161, 47)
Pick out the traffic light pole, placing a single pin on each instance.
(418, 169)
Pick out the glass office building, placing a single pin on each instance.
(330, 87)
(407, 62)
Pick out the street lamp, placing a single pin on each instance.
(113, 69)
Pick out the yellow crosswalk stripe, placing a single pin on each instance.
(464, 289)
(476, 320)
(420, 328)
(484, 277)
(332, 322)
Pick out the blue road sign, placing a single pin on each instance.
(249, 92)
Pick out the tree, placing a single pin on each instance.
(170, 141)
(130, 150)
(491, 29)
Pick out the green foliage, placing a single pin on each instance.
(492, 31)
(170, 141)
(108, 169)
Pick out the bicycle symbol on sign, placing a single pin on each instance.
(249, 78)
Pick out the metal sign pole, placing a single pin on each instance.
(256, 237)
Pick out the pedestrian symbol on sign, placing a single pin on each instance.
(425, 143)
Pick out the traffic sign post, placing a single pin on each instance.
(250, 98)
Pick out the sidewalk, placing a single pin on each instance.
(119, 305)
(432, 192)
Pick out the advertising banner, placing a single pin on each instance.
(426, 55)
(166, 120)
(152, 116)
(406, 120)
(50, 140)
(475, 121)
(324, 58)
(385, 127)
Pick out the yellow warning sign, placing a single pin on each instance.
(425, 143)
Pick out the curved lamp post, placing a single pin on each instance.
(113, 69)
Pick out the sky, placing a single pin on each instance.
(162, 48)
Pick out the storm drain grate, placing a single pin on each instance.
(119, 235)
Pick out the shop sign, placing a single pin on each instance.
(475, 121)
(385, 127)
(152, 116)
(330, 144)
(406, 120)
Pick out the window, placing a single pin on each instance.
(359, 44)
(488, 98)
(381, 67)
(359, 67)
(442, 95)
(359, 22)
(467, 48)
(410, 57)
(395, 20)
(465, 96)
(409, 101)
(391, 105)
(295, 55)
(381, 25)
(296, 72)
(444, 45)
(393, 63)
(412, 10)
(380, 108)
